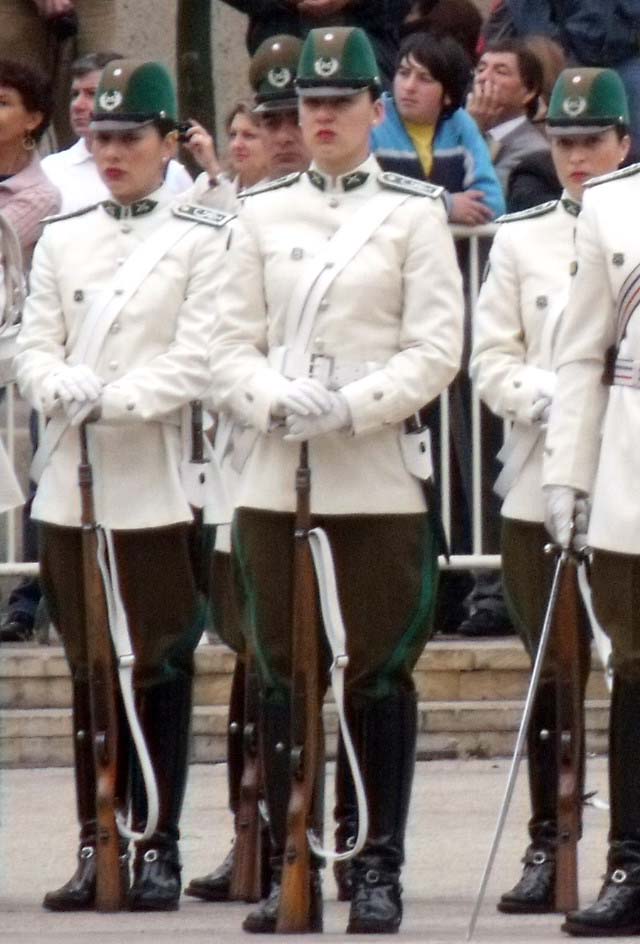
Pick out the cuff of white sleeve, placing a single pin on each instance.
(253, 400)
(372, 402)
(523, 389)
(118, 405)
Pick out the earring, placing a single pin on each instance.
(28, 142)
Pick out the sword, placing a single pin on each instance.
(566, 555)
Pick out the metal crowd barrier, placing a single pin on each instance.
(11, 566)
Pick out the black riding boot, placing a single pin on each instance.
(535, 891)
(617, 911)
(215, 885)
(387, 759)
(275, 720)
(79, 893)
(165, 715)
(345, 814)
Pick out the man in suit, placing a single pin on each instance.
(504, 100)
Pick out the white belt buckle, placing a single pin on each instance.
(321, 368)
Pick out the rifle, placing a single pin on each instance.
(569, 734)
(246, 877)
(295, 899)
(102, 688)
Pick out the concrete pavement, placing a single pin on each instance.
(453, 813)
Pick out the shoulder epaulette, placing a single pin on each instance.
(69, 216)
(268, 185)
(201, 214)
(541, 210)
(615, 175)
(418, 188)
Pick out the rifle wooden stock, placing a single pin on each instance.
(569, 734)
(246, 877)
(102, 685)
(295, 899)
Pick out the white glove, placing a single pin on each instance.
(78, 383)
(304, 397)
(565, 506)
(540, 409)
(581, 515)
(301, 428)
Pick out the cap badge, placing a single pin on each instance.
(110, 100)
(326, 66)
(574, 105)
(279, 77)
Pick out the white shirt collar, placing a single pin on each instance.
(502, 130)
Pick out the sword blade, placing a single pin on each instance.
(520, 741)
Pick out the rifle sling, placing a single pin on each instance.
(125, 660)
(336, 635)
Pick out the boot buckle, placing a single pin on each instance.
(87, 852)
(619, 877)
(151, 855)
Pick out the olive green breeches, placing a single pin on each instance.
(527, 574)
(156, 573)
(386, 572)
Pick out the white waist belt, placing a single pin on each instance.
(331, 372)
(626, 372)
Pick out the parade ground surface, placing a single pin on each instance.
(453, 813)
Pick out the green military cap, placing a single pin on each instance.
(337, 61)
(133, 93)
(272, 74)
(587, 101)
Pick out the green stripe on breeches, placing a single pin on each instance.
(386, 571)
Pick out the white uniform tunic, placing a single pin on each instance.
(154, 360)
(517, 315)
(397, 304)
(594, 432)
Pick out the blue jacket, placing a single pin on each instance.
(461, 159)
(593, 32)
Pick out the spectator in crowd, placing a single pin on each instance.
(246, 159)
(591, 32)
(534, 180)
(459, 19)
(26, 197)
(245, 164)
(380, 18)
(427, 135)
(74, 170)
(38, 32)
(504, 99)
